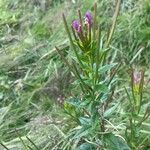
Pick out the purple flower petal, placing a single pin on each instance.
(76, 25)
(88, 18)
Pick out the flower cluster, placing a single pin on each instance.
(88, 19)
(78, 27)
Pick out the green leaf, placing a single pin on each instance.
(1, 95)
(74, 102)
(84, 103)
(115, 143)
(104, 97)
(101, 88)
(84, 120)
(83, 132)
(110, 111)
(106, 68)
(77, 103)
(70, 109)
(86, 146)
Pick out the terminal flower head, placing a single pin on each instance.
(76, 26)
(88, 18)
(137, 80)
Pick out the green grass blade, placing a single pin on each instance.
(4, 146)
(32, 143)
(23, 143)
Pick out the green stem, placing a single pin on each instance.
(114, 73)
(80, 19)
(71, 41)
(97, 54)
(113, 23)
(69, 66)
(94, 21)
(79, 77)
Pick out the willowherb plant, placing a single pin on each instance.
(95, 75)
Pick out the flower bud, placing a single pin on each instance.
(137, 79)
(76, 26)
(137, 88)
(88, 18)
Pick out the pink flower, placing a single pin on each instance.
(88, 18)
(137, 76)
(76, 26)
(137, 80)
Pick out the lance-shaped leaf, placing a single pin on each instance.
(71, 41)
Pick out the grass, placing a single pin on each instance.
(33, 77)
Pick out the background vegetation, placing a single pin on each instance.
(34, 81)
